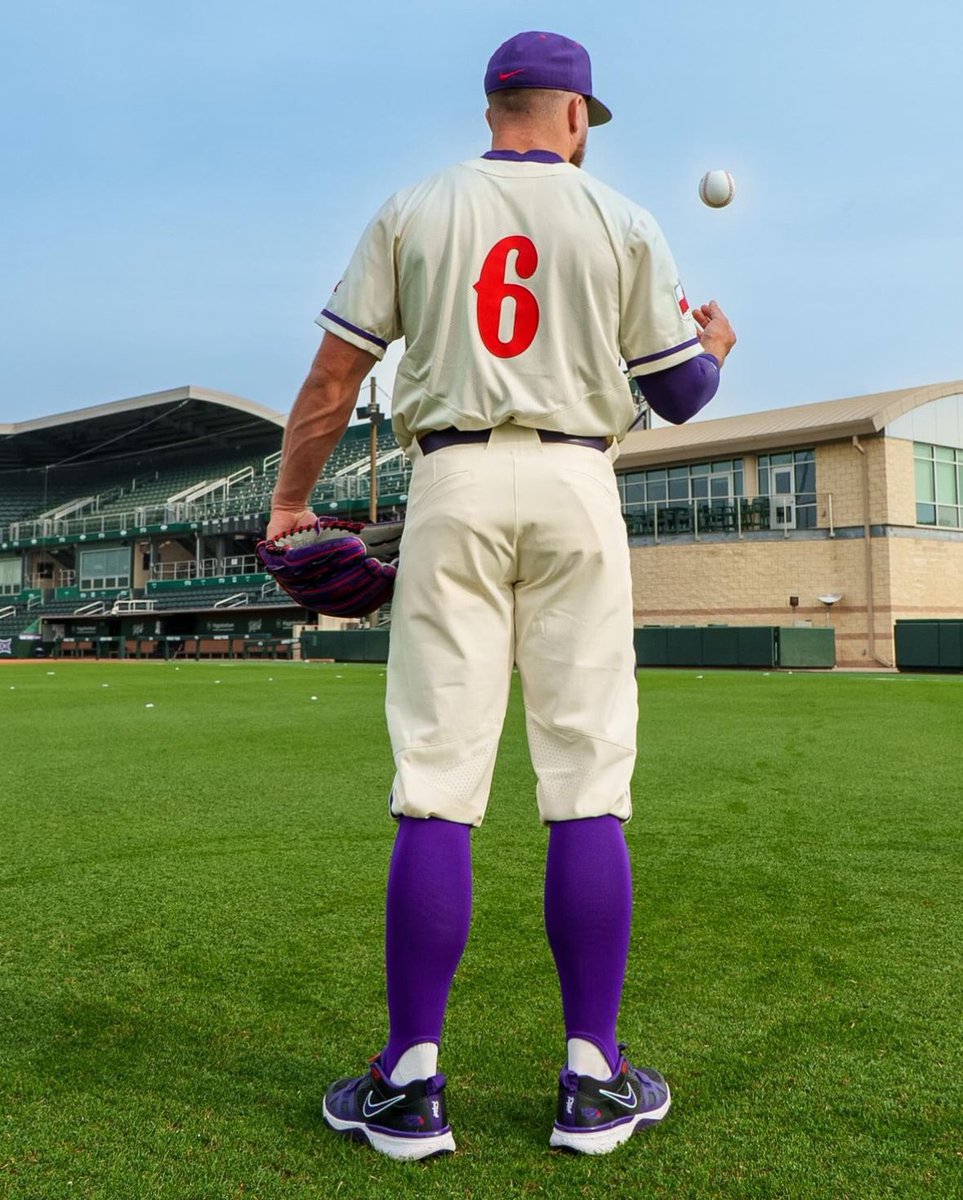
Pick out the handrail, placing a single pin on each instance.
(59, 511)
(133, 606)
(365, 467)
(238, 600)
(355, 467)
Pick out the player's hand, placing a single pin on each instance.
(715, 333)
(284, 519)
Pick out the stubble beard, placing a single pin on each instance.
(578, 154)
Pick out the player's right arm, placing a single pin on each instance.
(680, 392)
(318, 419)
(674, 353)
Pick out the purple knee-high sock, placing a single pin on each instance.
(588, 916)
(428, 915)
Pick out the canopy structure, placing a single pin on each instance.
(181, 420)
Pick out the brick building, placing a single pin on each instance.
(749, 520)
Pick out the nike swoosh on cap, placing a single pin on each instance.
(503, 75)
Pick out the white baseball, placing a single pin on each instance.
(717, 188)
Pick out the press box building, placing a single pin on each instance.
(749, 520)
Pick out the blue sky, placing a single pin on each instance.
(183, 183)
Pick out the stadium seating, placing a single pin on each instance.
(140, 493)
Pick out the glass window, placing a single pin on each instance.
(772, 472)
(10, 570)
(105, 568)
(679, 483)
(946, 483)
(939, 485)
(806, 476)
(925, 482)
(674, 487)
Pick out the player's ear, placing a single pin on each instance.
(574, 115)
(488, 117)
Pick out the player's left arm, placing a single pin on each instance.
(318, 419)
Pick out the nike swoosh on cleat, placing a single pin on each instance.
(503, 75)
(627, 1100)
(372, 1110)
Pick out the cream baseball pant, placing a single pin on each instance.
(514, 553)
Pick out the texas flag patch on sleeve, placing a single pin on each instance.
(681, 300)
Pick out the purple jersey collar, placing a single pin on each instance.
(540, 156)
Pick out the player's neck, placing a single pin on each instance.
(522, 142)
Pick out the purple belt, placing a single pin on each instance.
(438, 439)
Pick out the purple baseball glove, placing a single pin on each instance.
(339, 568)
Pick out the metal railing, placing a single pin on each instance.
(241, 564)
(251, 493)
(238, 600)
(188, 568)
(134, 606)
(207, 568)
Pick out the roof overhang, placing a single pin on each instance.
(777, 429)
(177, 418)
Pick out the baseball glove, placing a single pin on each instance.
(339, 568)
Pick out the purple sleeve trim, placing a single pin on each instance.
(354, 328)
(541, 156)
(679, 392)
(637, 362)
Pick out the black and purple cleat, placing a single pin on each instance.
(407, 1122)
(596, 1115)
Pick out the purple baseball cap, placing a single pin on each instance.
(545, 60)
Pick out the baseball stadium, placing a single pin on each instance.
(129, 530)
(192, 940)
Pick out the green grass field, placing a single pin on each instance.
(190, 940)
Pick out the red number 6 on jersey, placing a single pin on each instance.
(493, 290)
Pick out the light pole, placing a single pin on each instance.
(371, 412)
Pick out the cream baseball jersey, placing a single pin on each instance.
(520, 286)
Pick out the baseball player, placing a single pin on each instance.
(520, 285)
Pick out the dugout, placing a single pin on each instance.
(248, 632)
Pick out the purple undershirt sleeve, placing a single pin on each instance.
(679, 392)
